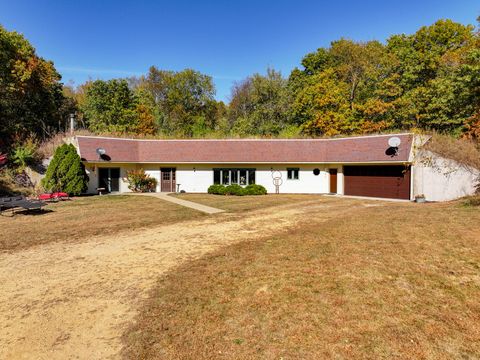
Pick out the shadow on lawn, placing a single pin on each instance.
(13, 212)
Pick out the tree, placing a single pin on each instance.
(420, 54)
(472, 127)
(66, 172)
(71, 105)
(146, 121)
(349, 74)
(259, 104)
(322, 106)
(110, 106)
(359, 65)
(184, 100)
(438, 68)
(428, 80)
(147, 114)
(30, 90)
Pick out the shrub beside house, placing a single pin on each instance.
(235, 189)
(139, 181)
(66, 172)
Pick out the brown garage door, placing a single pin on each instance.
(378, 181)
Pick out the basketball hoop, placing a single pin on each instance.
(277, 180)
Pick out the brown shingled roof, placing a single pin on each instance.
(347, 150)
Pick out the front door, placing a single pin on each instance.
(167, 179)
(109, 179)
(333, 181)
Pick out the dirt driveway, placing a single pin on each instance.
(73, 301)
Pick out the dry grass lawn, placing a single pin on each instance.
(83, 217)
(247, 203)
(74, 299)
(384, 281)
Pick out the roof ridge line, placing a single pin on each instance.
(247, 139)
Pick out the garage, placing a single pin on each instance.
(378, 181)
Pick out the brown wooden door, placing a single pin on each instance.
(378, 181)
(168, 179)
(333, 181)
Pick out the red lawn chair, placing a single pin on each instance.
(53, 196)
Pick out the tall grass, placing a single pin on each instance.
(464, 151)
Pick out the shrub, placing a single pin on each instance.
(463, 151)
(234, 189)
(25, 153)
(66, 172)
(471, 201)
(254, 189)
(139, 181)
(237, 190)
(216, 189)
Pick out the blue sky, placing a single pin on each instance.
(227, 40)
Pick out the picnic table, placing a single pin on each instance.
(15, 202)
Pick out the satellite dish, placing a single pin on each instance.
(394, 142)
(100, 151)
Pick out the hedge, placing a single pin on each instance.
(216, 189)
(254, 189)
(237, 190)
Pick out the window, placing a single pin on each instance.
(292, 173)
(225, 177)
(234, 176)
(243, 177)
(251, 176)
(216, 177)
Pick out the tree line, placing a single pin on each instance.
(429, 80)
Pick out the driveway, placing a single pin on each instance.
(74, 301)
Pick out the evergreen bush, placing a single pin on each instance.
(66, 172)
(254, 189)
(234, 189)
(237, 190)
(216, 189)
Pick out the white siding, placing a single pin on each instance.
(194, 178)
(92, 179)
(201, 178)
(307, 182)
(154, 172)
(92, 172)
(340, 181)
(197, 178)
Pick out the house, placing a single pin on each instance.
(384, 166)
